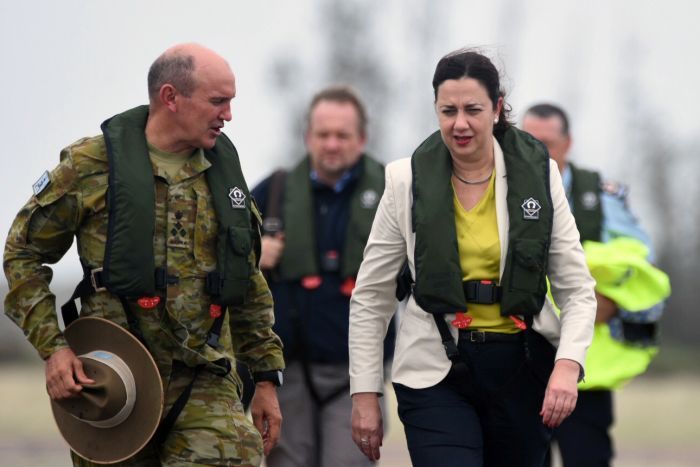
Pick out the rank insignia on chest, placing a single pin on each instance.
(531, 209)
(237, 198)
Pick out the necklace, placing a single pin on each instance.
(472, 182)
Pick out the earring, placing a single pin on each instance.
(495, 120)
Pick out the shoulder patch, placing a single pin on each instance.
(42, 183)
(614, 188)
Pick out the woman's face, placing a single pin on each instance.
(466, 117)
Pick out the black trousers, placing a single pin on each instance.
(584, 437)
(488, 418)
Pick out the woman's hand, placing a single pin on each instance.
(561, 394)
(367, 425)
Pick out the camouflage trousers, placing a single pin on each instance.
(212, 428)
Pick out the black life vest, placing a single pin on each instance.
(586, 204)
(299, 259)
(129, 261)
(438, 284)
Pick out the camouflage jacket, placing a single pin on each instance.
(74, 205)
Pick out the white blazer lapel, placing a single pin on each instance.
(501, 206)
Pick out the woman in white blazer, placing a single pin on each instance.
(483, 367)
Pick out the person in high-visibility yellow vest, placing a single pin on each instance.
(631, 293)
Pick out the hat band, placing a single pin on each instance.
(122, 370)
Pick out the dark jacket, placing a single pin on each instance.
(313, 324)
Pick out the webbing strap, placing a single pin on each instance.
(133, 321)
(274, 214)
(169, 420)
(92, 282)
(215, 330)
(459, 365)
(319, 401)
(69, 310)
(87, 286)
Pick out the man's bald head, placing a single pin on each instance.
(178, 65)
(191, 88)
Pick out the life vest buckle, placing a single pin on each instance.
(483, 292)
(96, 280)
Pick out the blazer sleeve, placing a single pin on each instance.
(571, 283)
(373, 301)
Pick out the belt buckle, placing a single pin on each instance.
(93, 280)
(478, 337)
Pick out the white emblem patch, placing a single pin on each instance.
(237, 198)
(42, 183)
(589, 200)
(369, 199)
(531, 209)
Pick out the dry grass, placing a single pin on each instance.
(657, 423)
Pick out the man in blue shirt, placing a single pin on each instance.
(317, 218)
(602, 215)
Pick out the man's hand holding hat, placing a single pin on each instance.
(64, 374)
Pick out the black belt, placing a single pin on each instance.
(482, 337)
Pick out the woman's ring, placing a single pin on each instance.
(364, 441)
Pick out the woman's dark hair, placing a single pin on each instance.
(467, 63)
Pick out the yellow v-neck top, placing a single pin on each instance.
(480, 256)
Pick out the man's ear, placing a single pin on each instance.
(168, 96)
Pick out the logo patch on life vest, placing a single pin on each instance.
(237, 198)
(369, 199)
(42, 183)
(531, 209)
(589, 200)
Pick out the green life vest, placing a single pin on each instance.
(299, 258)
(585, 198)
(438, 284)
(129, 262)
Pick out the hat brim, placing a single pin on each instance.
(111, 445)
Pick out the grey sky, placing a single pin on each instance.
(69, 65)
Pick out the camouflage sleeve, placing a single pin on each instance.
(41, 234)
(254, 342)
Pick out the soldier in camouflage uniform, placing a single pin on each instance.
(190, 90)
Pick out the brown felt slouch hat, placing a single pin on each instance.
(114, 418)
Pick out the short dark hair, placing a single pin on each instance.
(550, 110)
(469, 63)
(173, 68)
(343, 94)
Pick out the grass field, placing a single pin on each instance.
(657, 423)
